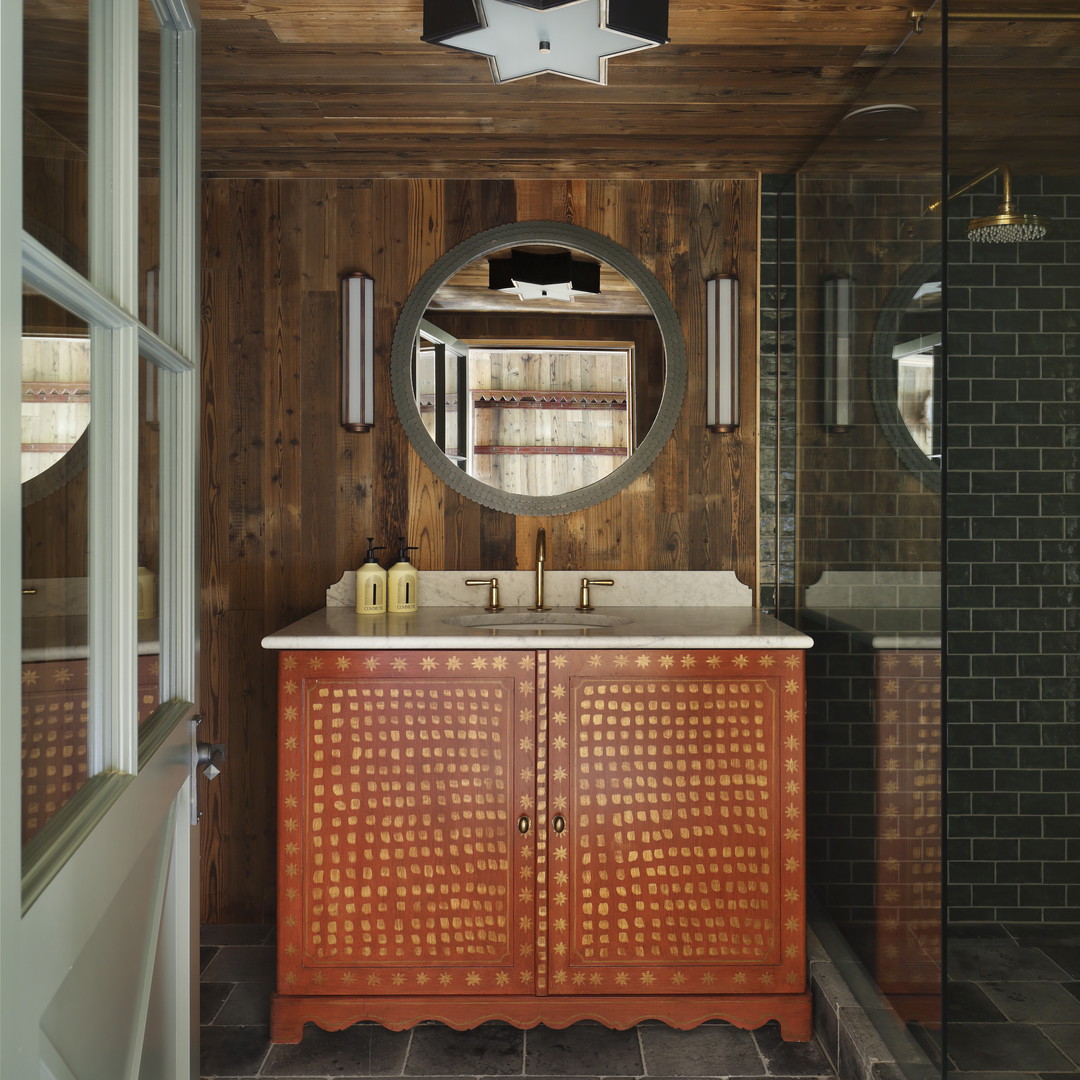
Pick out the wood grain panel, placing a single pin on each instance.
(290, 497)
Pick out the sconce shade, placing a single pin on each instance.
(555, 276)
(522, 38)
(357, 352)
(837, 349)
(722, 354)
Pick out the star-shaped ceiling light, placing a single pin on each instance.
(520, 38)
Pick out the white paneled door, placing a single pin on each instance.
(98, 568)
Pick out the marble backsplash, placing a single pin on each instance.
(517, 588)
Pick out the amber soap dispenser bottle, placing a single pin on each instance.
(401, 581)
(371, 584)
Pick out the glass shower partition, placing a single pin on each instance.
(856, 549)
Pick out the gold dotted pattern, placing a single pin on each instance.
(54, 733)
(684, 823)
(909, 884)
(406, 875)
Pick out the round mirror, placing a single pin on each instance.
(905, 370)
(538, 368)
(55, 411)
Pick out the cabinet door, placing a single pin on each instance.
(678, 779)
(403, 780)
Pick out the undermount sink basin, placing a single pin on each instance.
(537, 620)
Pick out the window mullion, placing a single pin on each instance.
(180, 327)
(113, 556)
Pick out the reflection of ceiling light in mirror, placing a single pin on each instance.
(522, 38)
(536, 276)
(561, 290)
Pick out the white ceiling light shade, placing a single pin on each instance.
(521, 38)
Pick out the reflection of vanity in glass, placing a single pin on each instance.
(58, 371)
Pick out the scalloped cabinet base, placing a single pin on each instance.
(289, 1014)
(541, 837)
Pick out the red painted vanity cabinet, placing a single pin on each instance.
(541, 837)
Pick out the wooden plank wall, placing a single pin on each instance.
(288, 496)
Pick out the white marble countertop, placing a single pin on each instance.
(642, 628)
(63, 637)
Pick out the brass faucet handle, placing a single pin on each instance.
(586, 601)
(493, 591)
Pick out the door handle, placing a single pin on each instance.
(524, 824)
(559, 823)
(210, 757)
(207, 758)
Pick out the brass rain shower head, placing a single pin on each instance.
(1008, 224)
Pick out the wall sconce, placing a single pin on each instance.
(357, 352)
(722, 354)
(838, 375)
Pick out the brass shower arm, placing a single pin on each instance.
(1006, 188)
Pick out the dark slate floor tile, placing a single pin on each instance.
(981, 931)
(709, 1050)
(1073, 988)
(966, 1003)
(232, 1051)
(971, 961)
(1065, 1037)
(493, 1049)
(791, 1058)
(241, 963)
(1065, 956)
(1045, 933)
(1002, 1076)
(235, 934)
(1001, 1046)
(998, 1076)
(206, 954)
(360, 1050)
(1034, 1002)
(211, 998)
(588, 1048)
(249, 1003)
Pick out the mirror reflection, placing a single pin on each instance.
(55, 412)
(906, 364)
(538, 369)
(917, 359)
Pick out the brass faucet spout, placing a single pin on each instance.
(541, 557)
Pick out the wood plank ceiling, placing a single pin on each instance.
(346, 88)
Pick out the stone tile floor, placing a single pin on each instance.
(237, 979)
(1013, 1002)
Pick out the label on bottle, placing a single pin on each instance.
(404, 598)
(370, 594)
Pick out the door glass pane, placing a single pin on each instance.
(56, 413)
(149, 162)
(56, 127)
(149, 665)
